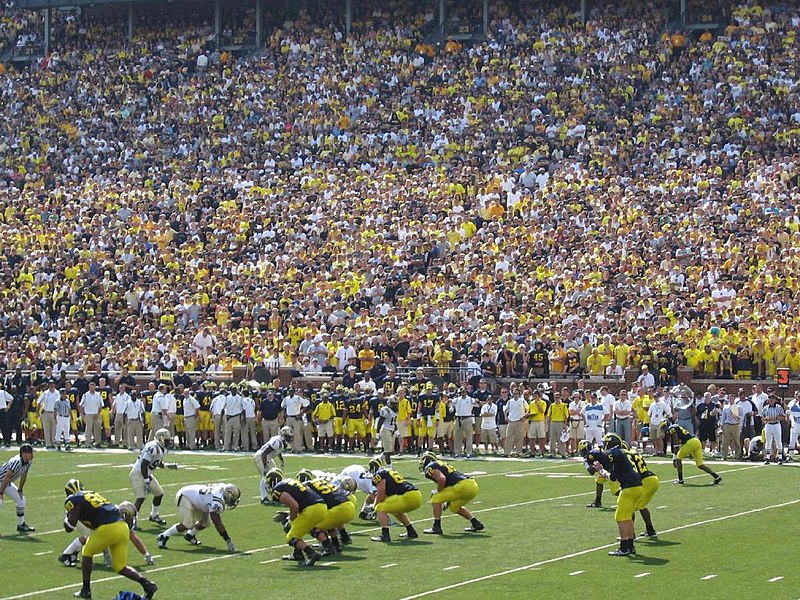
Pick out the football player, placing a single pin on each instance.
(452, 487)
(616, 466)
(684, 445)
(307, 510)
(142, 479)
(268, 456)
(341, 510)
(387, 427)
(394, 496)
(363, 479)
(583, 448)
(69, 557)
(650, 482)
(199, 505)
(16, 468)
(108, 531)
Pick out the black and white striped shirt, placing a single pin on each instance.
(63, 407)
(16, 467)
(772, 414)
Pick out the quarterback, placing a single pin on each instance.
(453, 488)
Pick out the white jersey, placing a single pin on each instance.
(16, 467)
(205, 498)
(794, 413)
(362, 477)
(325, 476)
(153, 453)
(594, 414)
(274, 445)
(389, 418)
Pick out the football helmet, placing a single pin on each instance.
(583, 448)
(286, 433)
(163, 437)
(425, 459)
(304, 475)
(612, 440)
(128, 512)
(272, 478)
(375, 465)
(231, 494)
(348, 484)
(73, 486)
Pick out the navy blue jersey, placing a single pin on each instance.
(302, 494)
(95, 510)
(331, 494)
(451, 476)
(396, 484)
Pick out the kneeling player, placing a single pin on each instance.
(452, 487)
(687, 445)
(199, 505)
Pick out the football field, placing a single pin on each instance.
(733, 540)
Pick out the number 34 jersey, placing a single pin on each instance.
(95, 510)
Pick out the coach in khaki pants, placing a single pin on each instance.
(517, 414)
(463, 436)
(90, 405)
(47, 407)
(190, 408)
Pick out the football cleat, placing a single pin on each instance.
(434, 531)
(381, 538)
(156, 519)
(192, 539)
(594, 504)
(650, 534)
(83, 594)
(66, 560)
(717, 480)
(312, 557)
(161, 539)
(620, 552)
(296, 555)
(475, 528)
(25, 528)
(345, 537)
(679, 481)
(150, 589)
(410, 535)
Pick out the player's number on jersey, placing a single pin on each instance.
(637, 461)
(94, 499)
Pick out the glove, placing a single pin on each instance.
(231, 547)
(280, 516)
(148, 559)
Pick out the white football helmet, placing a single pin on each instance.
(287, 433)
(348, 484)
(231, 495)
(163, 437)
(128, 512)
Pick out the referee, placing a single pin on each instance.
(62, 413)
(772, 414)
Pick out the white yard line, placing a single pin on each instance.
(590, 550)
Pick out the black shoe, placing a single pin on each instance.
(157, 520)
(313, 556)
(67, 560)
(25, 528)
(150, 588)
(346, 539)
(475, 528)
(191, 539)
(679, 481)
(381, 538)
(161, 540)
(434, 531)
(650, 534)
(766, 462)
(410, 535)
(620, 552)
(717, 480)
(296, 555)
(83, 594)
(594, 505)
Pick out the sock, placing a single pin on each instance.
(410, 529)
(437, 523)
(171, 531)
(263, 485)
(597, 499)
(385, 532)
(155, 510)
(20, 517)
(87, 584)
(192, 532)
(74, 546)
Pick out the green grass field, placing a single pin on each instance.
(726, 541)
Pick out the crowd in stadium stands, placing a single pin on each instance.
(553, 199)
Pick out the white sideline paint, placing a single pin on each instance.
(590, 550)
(451, 568)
